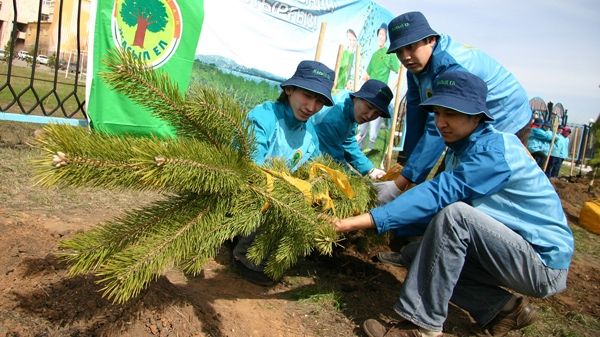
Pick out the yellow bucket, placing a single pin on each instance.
(589, 217)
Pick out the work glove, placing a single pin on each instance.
(386, 191)
(376, 173)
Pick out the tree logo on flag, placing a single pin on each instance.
(149, 29)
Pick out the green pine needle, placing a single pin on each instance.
(213, 190)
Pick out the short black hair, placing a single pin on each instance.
(283, 97)
(384, 27)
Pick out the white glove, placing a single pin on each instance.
(386, 191)
(376, 173)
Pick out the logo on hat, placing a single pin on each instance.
(149, 29)
(321, 73)
(400, 26)
(445, 82)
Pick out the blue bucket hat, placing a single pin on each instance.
(460, 91)
(313, 76)
(408, 28)
(378, 94)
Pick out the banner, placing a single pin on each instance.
(247, 47)
(269, 38)
(163, 33)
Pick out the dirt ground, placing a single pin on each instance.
(321, 296)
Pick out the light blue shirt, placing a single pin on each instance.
(336, 129)
(278, 133)
(506, 101)
(539, 140)
(559, 149)
(491, 171)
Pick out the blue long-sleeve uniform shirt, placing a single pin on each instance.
(336, 129)
(539, 140)
(491, 171)
(564, 154)
(559, 148)
(507, 102)
(278, 133)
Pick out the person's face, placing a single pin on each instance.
(364, 111)
(304, 103)
(351, 41)
(453, 125)
(381, 37)
(415, 56)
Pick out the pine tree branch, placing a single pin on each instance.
(78, 158)
(209, 116)
(128, 272)
(87, 251)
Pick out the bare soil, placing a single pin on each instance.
(39, 298)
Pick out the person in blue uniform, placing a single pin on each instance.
(282, 129)
(539, 141)
(426, 55)
(336, 125)
(492, 225)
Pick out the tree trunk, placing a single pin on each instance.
(140, 32)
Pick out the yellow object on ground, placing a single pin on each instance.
(589, 217)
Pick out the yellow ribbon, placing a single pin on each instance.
(269, 189)
(338, 177)
(304, 186)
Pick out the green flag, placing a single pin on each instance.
(163, 33)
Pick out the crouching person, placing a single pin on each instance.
(283, 130)
(492, 225)
(336, 126)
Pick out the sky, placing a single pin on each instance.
(551, 46)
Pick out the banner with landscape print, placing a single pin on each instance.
(246, 48)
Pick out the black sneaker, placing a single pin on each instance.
(253, 276)
(392, 258)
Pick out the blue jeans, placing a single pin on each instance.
(554, 166)
(468, 258)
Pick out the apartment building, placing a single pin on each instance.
(48, 13)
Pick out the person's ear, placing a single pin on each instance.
(288, 90)
(431, 40)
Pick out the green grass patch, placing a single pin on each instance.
(586, 243)
(558, 324)
(325, 299)
(43, 92)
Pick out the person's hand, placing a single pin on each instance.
(376, 173)
(386, 191)
(402, 183)
(354, 223)
(334, 221)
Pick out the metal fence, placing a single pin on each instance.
(37, 79)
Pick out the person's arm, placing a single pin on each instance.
(541, 134)
(480, 174)
(393, 63)
(354, 156)
(262, 126)
(415, 116)
(425, 154)
(363, 221)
